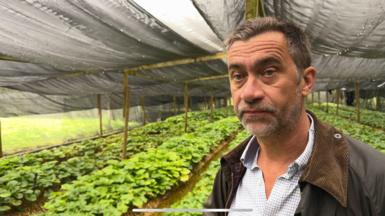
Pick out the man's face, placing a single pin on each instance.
(264, 84)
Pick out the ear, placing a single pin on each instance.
(308, 80)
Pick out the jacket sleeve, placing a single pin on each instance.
(218, 196)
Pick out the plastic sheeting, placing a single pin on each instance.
(97, 39)
(88, 35)
(348, 37)
(221, 16)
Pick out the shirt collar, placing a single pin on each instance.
(249, 155)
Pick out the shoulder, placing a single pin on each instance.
(364, 158)
(367, 171)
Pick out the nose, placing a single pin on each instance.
(252, 90)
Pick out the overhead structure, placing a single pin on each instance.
(58, 55)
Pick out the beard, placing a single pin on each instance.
(273, 121)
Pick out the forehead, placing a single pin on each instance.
(273, 43)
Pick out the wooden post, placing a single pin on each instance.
(185, 106)
(358, 106)
(143, 110)
(251, 9)
(125, 77)
(327, 101)
(99, 101)
(126, 116)
(211, 107)
(1, 143)
(338, 100)
(378, 102)
(109, 112)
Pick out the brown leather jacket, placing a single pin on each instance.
(343, 177)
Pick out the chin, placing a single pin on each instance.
(259, 130)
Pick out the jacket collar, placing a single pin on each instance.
(327, 167)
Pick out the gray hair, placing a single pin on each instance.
(298, 43)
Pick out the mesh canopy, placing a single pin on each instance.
(347, 36)
(88, 35)
(69, 51)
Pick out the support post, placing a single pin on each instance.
(124, 95)
(109, 112)
(358, 105)
(186, 108)
(126, 116)
(1, 143)
(327, 101)
(143, 110)
(378, 102)
(99, 101)
(338, 100)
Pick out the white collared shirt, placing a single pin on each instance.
(285, 195)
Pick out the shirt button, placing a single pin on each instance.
(337, 136)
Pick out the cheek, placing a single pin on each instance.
(235, 96)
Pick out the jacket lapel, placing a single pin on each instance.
(328, 165)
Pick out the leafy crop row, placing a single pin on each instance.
(195, 198)
(25, 178)
(131, 183)
(368, 117)
(366, 134)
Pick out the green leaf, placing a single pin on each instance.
(5, 194)
(15, 202)
(184, 178)
(31, 197)
(4, 208)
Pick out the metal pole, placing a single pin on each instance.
(211, 107)
(338, 100)
(126, 116)
(357, 94)
(327, 101)
(99, 101)
(185, 107)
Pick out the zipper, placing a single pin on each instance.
(231, 192)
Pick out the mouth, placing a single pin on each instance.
(252, 113)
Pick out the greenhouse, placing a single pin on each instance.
(112, 105)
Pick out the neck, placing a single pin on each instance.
(285, 146)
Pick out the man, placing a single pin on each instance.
(293, 164)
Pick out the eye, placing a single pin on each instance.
(268, 72)
(237, 76)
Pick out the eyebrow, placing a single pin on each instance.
(258, 63)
